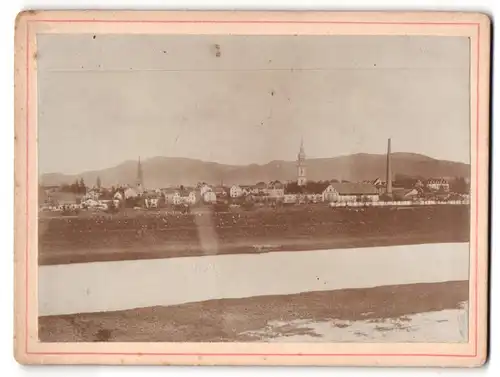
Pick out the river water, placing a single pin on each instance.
(107, 286)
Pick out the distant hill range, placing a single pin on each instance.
(167, 171)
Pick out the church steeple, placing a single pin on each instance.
(139, 179)
(302, 154)
(301, 165)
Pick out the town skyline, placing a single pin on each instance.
(171, 172)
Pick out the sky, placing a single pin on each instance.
(106, 99)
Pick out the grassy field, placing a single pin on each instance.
(156, 234)
(228, 320)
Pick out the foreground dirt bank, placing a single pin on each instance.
(156, 235)
(228, 320)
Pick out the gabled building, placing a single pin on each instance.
(261, 188)
(152, 199)
(93, 194)
(290, 198)
(130, 192)
(276, 189)
(235, 191)
(209, 196)
(204, 188)
(336, 192)
(221, 192)
(171, 195)
(438, 184)
(406, 194)
(247, 189)
(190, 197)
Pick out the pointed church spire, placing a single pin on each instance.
(140, 178)
(301, 165)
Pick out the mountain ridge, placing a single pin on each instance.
(161, 171)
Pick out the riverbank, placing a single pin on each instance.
(149, 235)
(404, 313)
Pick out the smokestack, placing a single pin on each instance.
(389, 169)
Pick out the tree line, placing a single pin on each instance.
(78, 187)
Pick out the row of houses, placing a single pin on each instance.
(274, 190)
(433, 184)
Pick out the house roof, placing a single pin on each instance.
(220, 189)
(169, 190)
(151, 195)
(437, 180)
(348, 188)
(129, 190)
(186, 193)
(403, 192)
(261, 185)
(317, 188)
(276, 185)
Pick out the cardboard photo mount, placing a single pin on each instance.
(29, 24)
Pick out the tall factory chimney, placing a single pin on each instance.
(389, 169)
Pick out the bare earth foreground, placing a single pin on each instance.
(156, 234)
(406, 313)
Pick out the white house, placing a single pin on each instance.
(205, 188)
(438, 184)
(347, 192)
(276, 189)
(130, 193)
(314, 197)
(188, 198)
(247, 190)
(289, 198)
(104, 204)
(235, 191)
(152, 202)
(221, 192)
(172, 196)
(330, 194)
(92, 194)
(118, 196)
(260, 188)
(209, 196)
(91, 203)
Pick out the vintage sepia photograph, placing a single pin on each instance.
(245, 188)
